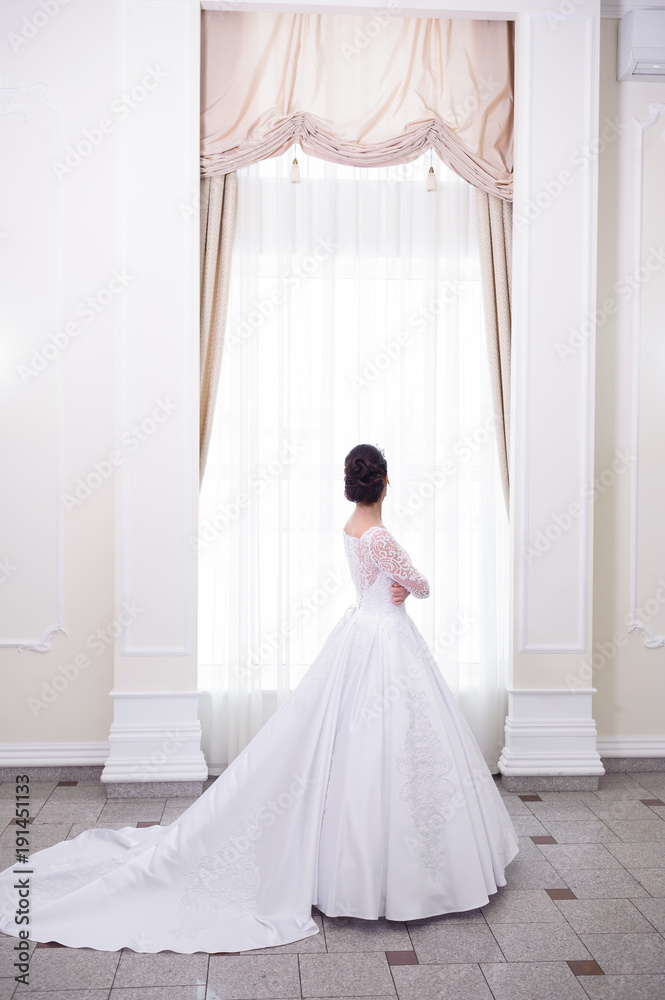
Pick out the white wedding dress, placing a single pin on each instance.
(364, 794)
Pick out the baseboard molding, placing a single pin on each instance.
(636, 746)
(53, 754)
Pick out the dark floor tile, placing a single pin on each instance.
(402, 958)
(561, 893)
(585, 968)
(543, 840)
(531, 798)
(66, 784)
(652, 802)
(143, 823)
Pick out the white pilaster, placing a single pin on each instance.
(155, 735)
(550, 728)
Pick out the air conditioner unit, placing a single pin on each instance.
(641, 46)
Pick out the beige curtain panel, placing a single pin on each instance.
(360, 90)
(219, 197)
(495, 238)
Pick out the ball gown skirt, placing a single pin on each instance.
(364, 794)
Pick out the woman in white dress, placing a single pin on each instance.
(365, 794)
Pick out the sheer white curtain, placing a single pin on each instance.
(355, 315)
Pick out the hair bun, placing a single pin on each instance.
(365, 470)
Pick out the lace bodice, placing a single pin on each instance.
(375, 556)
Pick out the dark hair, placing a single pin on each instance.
(365, 470)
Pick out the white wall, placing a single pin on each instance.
(101, 181)
(631, 679)
(129, 205)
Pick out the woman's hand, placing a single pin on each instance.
(398, 593)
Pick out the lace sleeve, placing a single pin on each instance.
(389, 556)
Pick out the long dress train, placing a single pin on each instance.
(364, 794)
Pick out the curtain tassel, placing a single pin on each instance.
(430, 183)
(294, 176)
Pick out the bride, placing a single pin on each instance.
(365, 794)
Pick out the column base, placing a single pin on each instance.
(155, 738)
(550, 741)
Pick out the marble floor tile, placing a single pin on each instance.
(604, 916)
(132, 810)
(596, 856)
(350, 934)
(164, 968)
(159, 993)
(624, 954)
(352, 975)
(634, 831)
(654, 911)
(253, 977)
(642, 855)
(519, 906)
(652, 880)
(68, 812)
(620, 809)
(68, 968)
(543, 942)
(81, 994)
(624, 987)
(528, 826)
(604, 883)
(579, 831)
(533, 981)
(553, 810)
(533, 875)
(432, 982)
(455, 943)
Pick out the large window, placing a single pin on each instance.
(355, 315)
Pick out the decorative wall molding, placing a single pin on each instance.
(42, 645)
(578, 568)
(180, 364)
(550, 732)
(636, 623)
(10, 105)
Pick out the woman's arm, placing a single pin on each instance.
(390, 557)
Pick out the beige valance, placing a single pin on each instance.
(359, 89)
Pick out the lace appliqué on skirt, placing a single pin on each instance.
(424, 763)
(224, 885)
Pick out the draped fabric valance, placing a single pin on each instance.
(359, 90)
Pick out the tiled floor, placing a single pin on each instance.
(582, 916)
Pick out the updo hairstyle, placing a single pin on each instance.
(365, 470)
